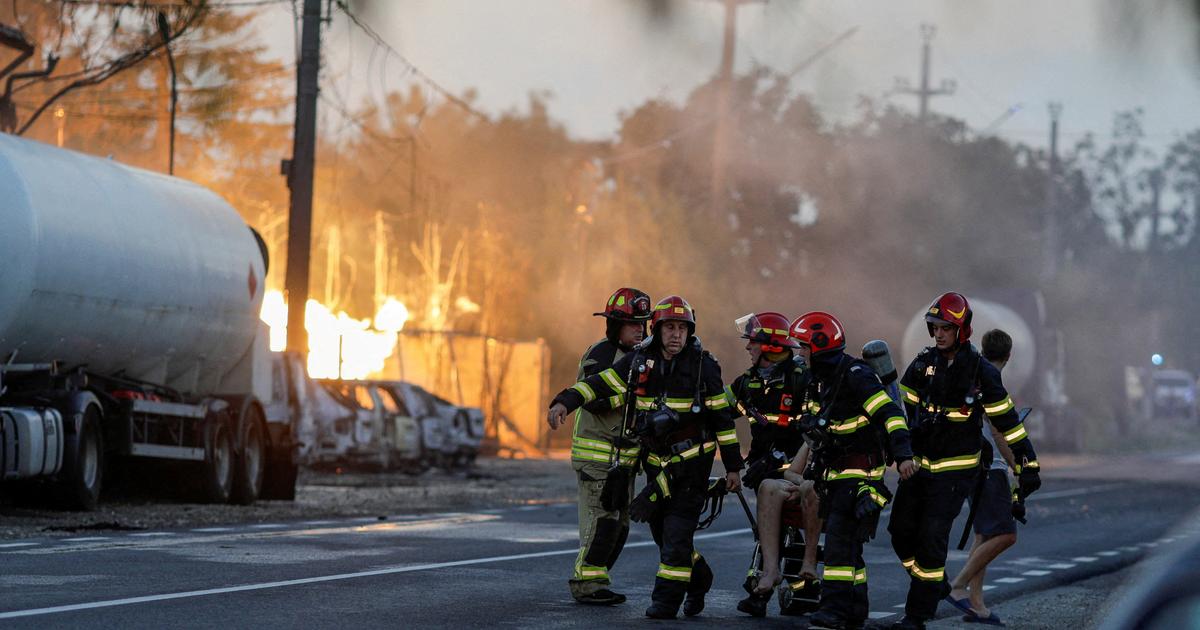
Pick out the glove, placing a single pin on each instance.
(755, 473)
(643, 507)
(866, 511)
(615, 493)
(1028, 481)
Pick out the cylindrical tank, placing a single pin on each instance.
(988, 315)
(122, 270)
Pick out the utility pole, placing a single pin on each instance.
(1156, 186)
(724, 128)
(164, 29)
(1051, 237)
(299, 171)
(924, 93)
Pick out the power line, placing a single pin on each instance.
(366, 28)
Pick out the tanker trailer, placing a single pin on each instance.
(129, 329)
(1034, 377)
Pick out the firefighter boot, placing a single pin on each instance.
(659, 610)
(602, 597)
(702, 579)
(755, 605)
(832, 621)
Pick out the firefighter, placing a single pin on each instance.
(771, 394)
(856, 431)
(947, 390)
(678, 409)
(596, 457)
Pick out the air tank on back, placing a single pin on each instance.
(988, 315)
(125, 271)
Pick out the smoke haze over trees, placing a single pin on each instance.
(510, 227)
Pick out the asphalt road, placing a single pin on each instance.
(503, 567)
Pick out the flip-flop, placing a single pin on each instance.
(961, 604)
(990, 620)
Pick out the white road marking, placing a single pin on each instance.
(267, 526)
(20, 544)
(988, 587)
(492, 511)
(152, 534)
(1084, 559)
(1128, 548)
(33, 612)
(899, 606)
(1060, 566)
(302, 523)
(1010, 580)
(1149, 545)
(213, 529)
(1108, 553)
(87, 539)
(880, 615)
(1166, 540)
(1036, 573)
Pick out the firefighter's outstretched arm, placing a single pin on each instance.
(604, 390)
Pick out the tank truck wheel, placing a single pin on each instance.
(218, 462)
(83, 465)
(250, 462)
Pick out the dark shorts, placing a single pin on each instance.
(994, 514)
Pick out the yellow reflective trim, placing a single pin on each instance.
(720, 401)
(591, 573)
(956, 415)
(838, 574)
(860, 576)
(908, 563)
(929, 575)
(585, 390)
(1000, 407)
(597, 445)
(962, 462)
(875, 402)
(875, 496)
(613, 380)
(679, 574)
(849, 426)
(910, 395)
(1016, 434)
(855, 473)
(725, 438)
(895, 423)
(616, 401)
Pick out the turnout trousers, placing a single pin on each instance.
(602, 535)
(844, 579)
(682, 570)
(925, 508)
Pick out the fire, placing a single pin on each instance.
(335, 339)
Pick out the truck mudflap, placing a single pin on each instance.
(31, 442)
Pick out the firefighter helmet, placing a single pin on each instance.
(676, 308)
(820, 331)
(951, 308)
(627, 305)
(769, 329)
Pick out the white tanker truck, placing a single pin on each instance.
(1035, 375)
(129, 330)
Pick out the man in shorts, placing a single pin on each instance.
(995, 529)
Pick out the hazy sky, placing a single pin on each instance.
(596, 58)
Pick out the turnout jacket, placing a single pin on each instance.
(863, 419)
(947, 401)
(710, 426)
(779, 397)
(596, 433)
